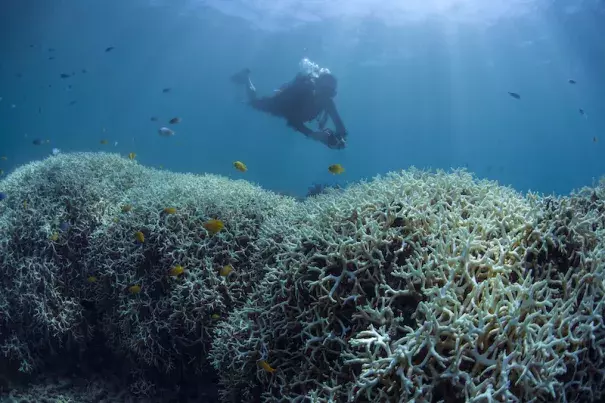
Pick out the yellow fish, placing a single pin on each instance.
(265, 365)
(215, 316)
(1, 172)
(139, 236)
(91, 279)
(225, 270)
(24, 204)
(104, 141)
(170, 210)
(126, 208)
(131, 156)
(336, 169)
(134, 289)
(214, 226)
(176, 270)
(54, 236)
(240, 166)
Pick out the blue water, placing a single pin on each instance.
(425, 86)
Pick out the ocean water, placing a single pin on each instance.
(422, 84)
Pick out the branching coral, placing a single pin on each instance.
(417, 286)
(413, 287)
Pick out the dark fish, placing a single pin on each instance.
(154, 119)
(571, 81)
(3, 195)
(72, 103)
(65, 75)
(595, 139)
(37, 142)
(39, 109)
(51, 58)
(109, 49)
(84, 71)
(165, 90)
(174, 121)
(51, 49)
(514, 95)
(582, 112)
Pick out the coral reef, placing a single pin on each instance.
(412, 287)
(422, 287)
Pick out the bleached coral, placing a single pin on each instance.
(417, 286)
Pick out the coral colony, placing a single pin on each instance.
(413, 287)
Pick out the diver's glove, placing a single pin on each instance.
(334, 141)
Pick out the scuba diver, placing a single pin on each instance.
(306, 98)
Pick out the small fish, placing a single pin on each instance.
(51, 58)
(595, 139)
(571, 81)
(166, 132)
(175, 120)
(336, 169)
(3, 196)
(84, 71)
(139, 236)
(131, 156)
(109, 49)
(240, 166)
(176, 271)
(24, 204)
(1, 172)
(37, 142)
(4, 158)
(153, 119)
(514, 95)
(265, 365)
(213, 226)
(104, 141)
(126, 208)
(54, 237)
(64, 226)
(72, 103)
(92, 279)
(170, 210)
(225, 270)
(64, 75)
(166, 90)
(161, 166)
(582, 112)
(215, 316)
(134, 289)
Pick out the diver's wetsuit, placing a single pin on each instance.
(298, 103)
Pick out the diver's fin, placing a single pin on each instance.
(241, 77)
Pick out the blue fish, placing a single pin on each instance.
(3, 195)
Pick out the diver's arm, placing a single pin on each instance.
(338, 125)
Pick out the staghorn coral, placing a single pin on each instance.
(419, 287)
(47, 306)
(412, 287)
